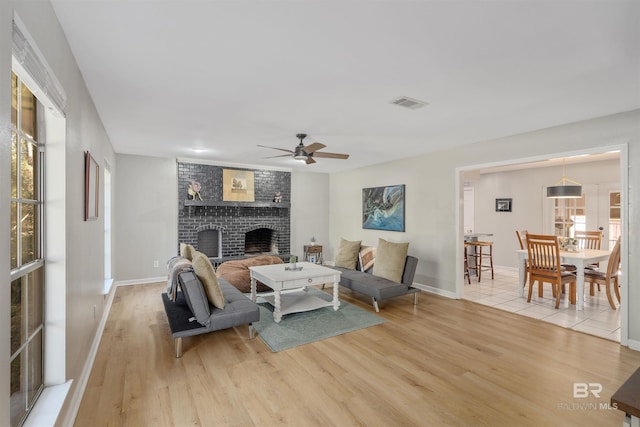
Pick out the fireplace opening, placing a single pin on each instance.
(210, 243)
(261, 241)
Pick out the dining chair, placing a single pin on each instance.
(610, 277)
(522, 240)
(544, 266)
(466, 263)
(588, 239)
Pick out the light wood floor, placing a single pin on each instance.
(442, 362)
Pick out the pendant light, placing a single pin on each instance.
(565, 188)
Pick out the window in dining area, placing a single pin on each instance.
(570, 216)
(615, 227)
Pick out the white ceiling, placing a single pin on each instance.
(168, 76)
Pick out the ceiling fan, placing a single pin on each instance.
(307, 153)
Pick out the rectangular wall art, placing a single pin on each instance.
(237, 186)
(91, 187)
(383, 208)
(503, 205)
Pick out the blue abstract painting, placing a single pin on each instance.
(383, 208)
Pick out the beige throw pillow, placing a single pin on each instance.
(348, 254)
(186, 250)
(207, 275)
(390, 260)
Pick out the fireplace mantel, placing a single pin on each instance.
(195, 204)
(279, 205)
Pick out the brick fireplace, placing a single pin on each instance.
(223, 229)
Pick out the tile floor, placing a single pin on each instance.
(502, 292)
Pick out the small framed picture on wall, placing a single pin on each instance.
(503, 205)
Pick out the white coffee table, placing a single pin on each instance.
(290, 287)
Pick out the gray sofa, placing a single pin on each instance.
(191, 313)
(379, 288)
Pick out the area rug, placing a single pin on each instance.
(302, 328)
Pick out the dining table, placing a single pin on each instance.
(580, 258)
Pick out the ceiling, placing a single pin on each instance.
(170, 77)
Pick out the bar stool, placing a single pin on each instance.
(481, 257)
(466, 263)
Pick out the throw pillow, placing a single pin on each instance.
(367, 257)
(348, 254)
(207, 275)
(186, 250)
(390, 260)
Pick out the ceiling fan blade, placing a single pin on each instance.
(330, 155)
(275, 148)
(311, 148)
(309, 160)
(281, 155)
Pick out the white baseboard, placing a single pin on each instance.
(634, 345)
(141, 281)
(435, 290)
(76, 398)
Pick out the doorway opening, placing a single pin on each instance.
(531, 210)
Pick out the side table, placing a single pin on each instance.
(313, 253)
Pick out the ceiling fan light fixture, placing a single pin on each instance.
(299, 153)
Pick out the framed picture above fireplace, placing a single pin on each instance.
(237, 186)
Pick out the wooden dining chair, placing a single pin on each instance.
(544, 266)
(522, 240)
(589, 239)
(609, 278)
(466, 263)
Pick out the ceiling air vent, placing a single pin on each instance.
(405, 101)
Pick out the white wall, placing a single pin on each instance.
(145, 216)
(526, 187)
(433, 202)
(309, 210)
